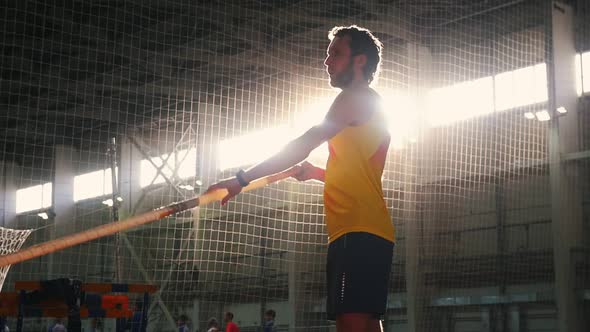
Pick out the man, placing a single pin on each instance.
(230, 326)
(269, 321)
(212, 325)
(183, 323)
(360, 232)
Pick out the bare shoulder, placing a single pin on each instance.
(358, 103)
(362, 95)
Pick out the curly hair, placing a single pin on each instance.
(362, 41)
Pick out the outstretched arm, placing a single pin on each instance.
(294, 152)
(341, 114)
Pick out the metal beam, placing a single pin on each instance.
(159, 63)
(183, 245)
(575, 156)
(147, 278)
(130, 164)
(140, 147)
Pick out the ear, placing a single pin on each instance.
(360, 60)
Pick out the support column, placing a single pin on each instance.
(194, 314)
(416, 295)
(292, 257)
(487, 319)
(566, 212)
(294, 300)
(63, 203)
(129, 178)
(131, 192)
(514, 318)
(8, 186)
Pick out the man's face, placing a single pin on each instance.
(339, 63)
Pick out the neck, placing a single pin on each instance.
(358, 83)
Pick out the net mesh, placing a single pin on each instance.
(582, 253)
(11, 241)
(192, 92)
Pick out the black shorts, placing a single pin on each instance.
(358, 271)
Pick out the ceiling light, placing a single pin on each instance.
(561, 110)
(543, 115)
(108, 202)
(529, 115)
(43, 215)
(186, 187)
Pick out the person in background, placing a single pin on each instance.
(269, 321)
(183, 323)
(230, 326)
(212, 325)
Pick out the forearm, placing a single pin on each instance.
(275, 164)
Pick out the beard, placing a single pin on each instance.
(343, 79)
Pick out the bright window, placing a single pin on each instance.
(252, 148)
(585, 71)
(148, 172)
(579, 87)
(34, 198)
(93, 184)
(186, 160)
(187, 163)
(460, 101)
(521, 87)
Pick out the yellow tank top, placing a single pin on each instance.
(353, 195)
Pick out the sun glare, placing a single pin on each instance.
(444, 106)
(460, 101)
(252, 147)
(401, 113)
